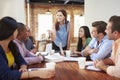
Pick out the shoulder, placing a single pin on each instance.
(88, 39)
(93, 40)
(15, 41)
(68, 23)
(106, 40)
(29, 40)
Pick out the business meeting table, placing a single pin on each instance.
(70, 71)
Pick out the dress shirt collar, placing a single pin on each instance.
(20, 42)
(117, 41)
(105, 37)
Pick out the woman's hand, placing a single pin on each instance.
(46, 73)
(23, 68)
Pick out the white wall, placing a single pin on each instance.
(100, 10)
(13, 8)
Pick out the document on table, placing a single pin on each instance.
(33, 69)
(89, 63)
(56, 57)
(70, 59)
(92, 68)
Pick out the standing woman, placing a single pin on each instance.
(9, 54)
(61, 31)
(83, 39)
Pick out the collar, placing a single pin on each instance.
(105, 37)
(20, 42)
(117, 41)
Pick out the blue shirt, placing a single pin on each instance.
(62, 35)
(104, 48)
(7, 73)
(28, 44)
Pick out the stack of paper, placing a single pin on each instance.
(34, 69)
(56, 57)
(93, 68)
(70, 59)
(89, 63)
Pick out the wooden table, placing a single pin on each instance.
(71, 71)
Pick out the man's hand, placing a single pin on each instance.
(100, 65)
(93, 51)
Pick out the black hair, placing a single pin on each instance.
(21, 27)
(7, 27)
(87, 35)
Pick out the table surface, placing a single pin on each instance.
(71, 71)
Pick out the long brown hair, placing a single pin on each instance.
(65, 15)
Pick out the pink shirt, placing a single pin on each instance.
(115, 57)
(29, 57)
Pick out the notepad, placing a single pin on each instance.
(56, 57)
(70, 59)
(89, 63)
(33, 69)
(92, 68)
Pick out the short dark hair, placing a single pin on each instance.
(21, 27)
(7, 27)
(115, 23)
(100, 25)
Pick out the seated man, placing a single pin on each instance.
(29, 57)
(99, 47)
(28, 42)
(112, 65)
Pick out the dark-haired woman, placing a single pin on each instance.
(9, 54)
(61, 31)
(83, 39)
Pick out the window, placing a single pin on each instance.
(78, 22)
(45, 22)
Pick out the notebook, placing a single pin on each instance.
(92, 68)
(56, 57)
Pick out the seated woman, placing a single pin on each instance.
(9, 54)
(83, 39)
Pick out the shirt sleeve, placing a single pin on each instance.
(104, 51)
(92, 42)
(114, 70)
(88, 41)
(32, 60)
